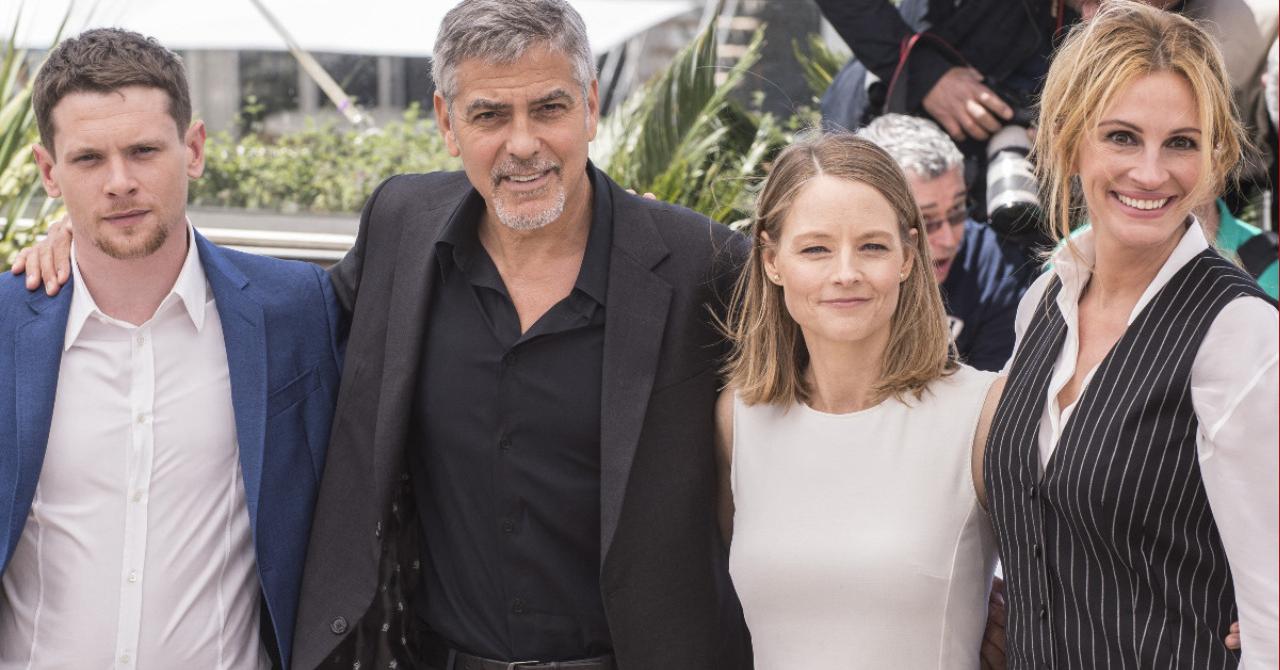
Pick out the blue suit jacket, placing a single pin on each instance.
(280, 322)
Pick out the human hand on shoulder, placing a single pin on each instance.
(47, 261)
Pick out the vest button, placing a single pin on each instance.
(1035, 549)
(1031, 491)
(338, 626)
(1044, 612)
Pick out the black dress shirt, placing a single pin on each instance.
(505, 455)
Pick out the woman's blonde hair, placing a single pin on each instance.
(1097, 61)
(768, 356)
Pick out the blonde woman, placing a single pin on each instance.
(1132, 464)
(846, 434)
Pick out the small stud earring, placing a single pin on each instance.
(902, 276)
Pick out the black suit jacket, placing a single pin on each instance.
(664, 578)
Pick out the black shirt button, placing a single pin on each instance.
(518, 606)
(509, 359)
(338, 626)
(508, 526)
(377, 529)
(504, 444)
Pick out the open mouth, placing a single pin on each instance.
(527, 182)
(1144, 205)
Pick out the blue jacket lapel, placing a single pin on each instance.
(245, 339)
(37, 356)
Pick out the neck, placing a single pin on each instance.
(1121, 274)
(842, 376)
(132, 290)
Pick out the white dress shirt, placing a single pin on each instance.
(137, 551)
(1234, 391)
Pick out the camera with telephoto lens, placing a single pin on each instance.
(1013, 196)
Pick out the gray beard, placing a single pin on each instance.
(526, 222)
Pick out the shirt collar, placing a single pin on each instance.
(458, 241)
(1074, 264)
(191, 288)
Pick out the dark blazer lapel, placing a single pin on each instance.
(38, 354)
(636, 313)
(243, 332)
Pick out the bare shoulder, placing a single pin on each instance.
(724, 421)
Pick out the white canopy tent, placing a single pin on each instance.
(373, 27)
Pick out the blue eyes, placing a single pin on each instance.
(867, 247)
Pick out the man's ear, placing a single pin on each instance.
(445, 122)
(593, 109)
(194, 142)
(46, 162)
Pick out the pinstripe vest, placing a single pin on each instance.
(1111, 555)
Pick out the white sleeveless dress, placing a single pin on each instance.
(858, 541)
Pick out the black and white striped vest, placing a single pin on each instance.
(1111, 555)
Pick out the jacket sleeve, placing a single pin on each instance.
(875, 32)
(345, 275)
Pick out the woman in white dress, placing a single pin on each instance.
(846, 434)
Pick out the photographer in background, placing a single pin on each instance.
(973, 66)
(981, 278)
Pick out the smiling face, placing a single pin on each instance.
(943, 204)
(1140, 166)
(840, 260)
(522, 131)
(122, 169)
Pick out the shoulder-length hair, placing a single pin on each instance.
(767, 361)
(1098, 60)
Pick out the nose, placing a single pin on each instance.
(522, 142)
(846, 270)
(120, 180)
(1149, 172)
(945, 236)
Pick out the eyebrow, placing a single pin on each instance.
(1125, 124)
(486, 105)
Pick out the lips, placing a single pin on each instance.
(127, 216)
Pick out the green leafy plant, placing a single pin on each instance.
(684, 138)
(323, 168)
(819, 63)
(24, 210)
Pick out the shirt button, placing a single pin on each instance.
(508, 526)
(137, 496)
(142, 339)
(509, 359)
(518, 606)
(338, 626)
(504, 444)
(377, 529)
(142, 418)
(133, 576)
(124, 658)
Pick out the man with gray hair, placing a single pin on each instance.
(981, 279)
(521, 471)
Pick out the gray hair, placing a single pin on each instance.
(501, 31)
(918, 145)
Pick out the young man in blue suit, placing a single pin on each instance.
(163, 422)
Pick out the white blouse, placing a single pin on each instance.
(1234, 391)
